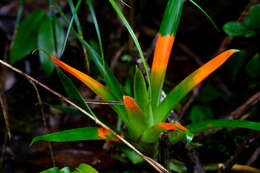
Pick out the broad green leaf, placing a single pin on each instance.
(73, 92)
(237, 29)
(171, 17)
(85, 168)
(47, 42)
(26, 37)
(140, 89)
(136, 117)
(78, 134)
(199, 113)
(213, 124)
(253, 67)
(188, 83)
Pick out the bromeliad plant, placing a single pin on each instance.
(146, 113)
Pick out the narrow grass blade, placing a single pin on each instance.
(152, 134)
(72, 8)
(70, 25)
(109, 77)
(131, 32)
(213, 124)
(136, 117)
(73, 92)
(19, 13)
(205, 13)
(96, 27)
(78, 134)
(164, 43)
(188, 83)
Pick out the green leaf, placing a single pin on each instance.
(109, 77)
(78, 134)
(253, 67)
(213, 124)
(47, 42)
(131, 32)
(85, 168)
(254, 15)
(237, 29)
(51, 170)
(26, 38)
(73, 92)
(188, 83)
(199, 113)
(96, 27)
(140, 89)
(133, 156)
(171, 17)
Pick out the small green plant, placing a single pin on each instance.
(145, 113)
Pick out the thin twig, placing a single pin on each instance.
(153, 163)
(185, 108)
(244, 107)
(44, 120)
(3, 149)
(4, 110)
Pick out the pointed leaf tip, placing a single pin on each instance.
(106, 134)
(131, 105)
(172, 126)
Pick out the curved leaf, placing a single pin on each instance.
(26, 38)
(78, 134)
(213, 124)
(188, 83)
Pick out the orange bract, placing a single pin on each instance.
(162, 52)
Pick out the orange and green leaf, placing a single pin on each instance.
(188, 83)
(153, 133)
(106, 134)
(78, 134)
(94, 85)
(165, 40)
(160, 62)
(136, 117)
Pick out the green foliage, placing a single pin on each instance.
(44, 32)
(77, 134)
(253, 67)
(50, 42)
(199, 113)
(210, 93)
(82, 168)
(26, 38)
(249, 27)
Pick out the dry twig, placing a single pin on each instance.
(153, 163)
